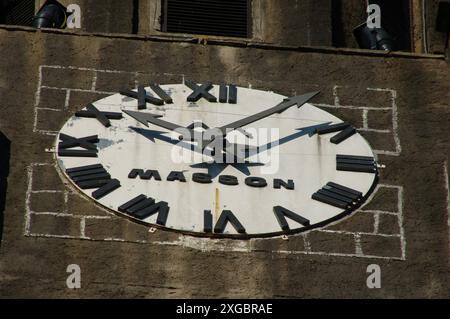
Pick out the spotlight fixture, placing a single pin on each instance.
(373, 38)
(51, 15)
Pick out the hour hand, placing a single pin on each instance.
(154, 119)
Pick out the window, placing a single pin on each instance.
(209, 17)
(16, 12)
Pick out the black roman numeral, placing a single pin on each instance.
(232, 97)
(93, 176)
(338, 196)
(142, 95)
(67, 143)
(345, 131)
(353, 163)
(102, 117)
(223, 93)
(143, 98)
(226, 217)
(106, 189)
(142, 207)
(199, 92)
(326, 129)
(207, 221)
(281, 213)
(342, 136)
(161, 93)
(228, 94)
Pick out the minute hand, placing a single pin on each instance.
(280, 108)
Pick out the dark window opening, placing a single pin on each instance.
(135, 26)
(395, 18)
(209, 17)
(349, 15)
(16, 12)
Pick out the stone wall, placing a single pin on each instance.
(399, 103)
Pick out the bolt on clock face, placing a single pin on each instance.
(217, 160)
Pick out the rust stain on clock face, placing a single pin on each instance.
(217, 205)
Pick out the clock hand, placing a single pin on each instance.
(244, 132)
(238, 157)
(280, 108)
(159, 135)
(308, 130)
(146, 118)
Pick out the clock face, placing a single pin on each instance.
(216, 160)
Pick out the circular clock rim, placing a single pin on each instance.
(339, 217)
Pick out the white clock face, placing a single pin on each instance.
(304, 167)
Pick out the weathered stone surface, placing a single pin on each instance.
(373, 245)
(120, 228)
(167, 262)
(47, 202)
(358, 222)
(79, 100)
(50, 120)
(50, 225)
(389, 224)
(82, 206)
(114, 82)
(332, 242)
(295, 243)
(380, 120)
(72, 79)
(364, 97)
(385, 199)
(52, 99)
(380, 141)
(46, 178)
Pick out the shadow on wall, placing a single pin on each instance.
(5, 153)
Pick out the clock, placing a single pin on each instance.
(217, 160)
